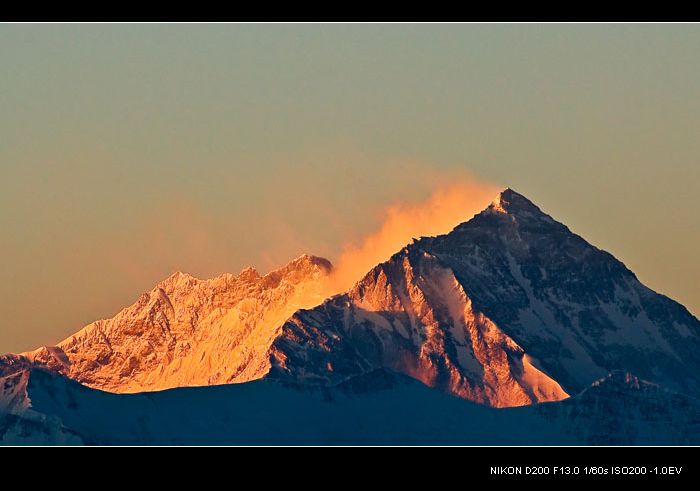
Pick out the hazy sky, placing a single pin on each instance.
(131, 151)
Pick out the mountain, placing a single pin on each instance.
(510, 329)
(186, 331)
(510, 308)
(377, 407)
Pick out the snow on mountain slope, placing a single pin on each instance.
(20, 424)
(13, 392)
(621, 409)
(509, 308)
(40, 430)
(186, 331)
(378, 407)
(410, 314)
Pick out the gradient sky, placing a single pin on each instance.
(131, 151)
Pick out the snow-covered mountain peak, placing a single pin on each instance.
(509, 308)
(309, 263)
(186, 331)
(303, 268)
(178, 277)
(500, 202)
(514, 204)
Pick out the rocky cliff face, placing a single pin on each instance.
(187, 331)
(412, 315)
(508, 309)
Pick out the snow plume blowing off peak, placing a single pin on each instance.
(447, 206)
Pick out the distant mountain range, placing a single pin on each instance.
(186, 331)
(508, 309)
